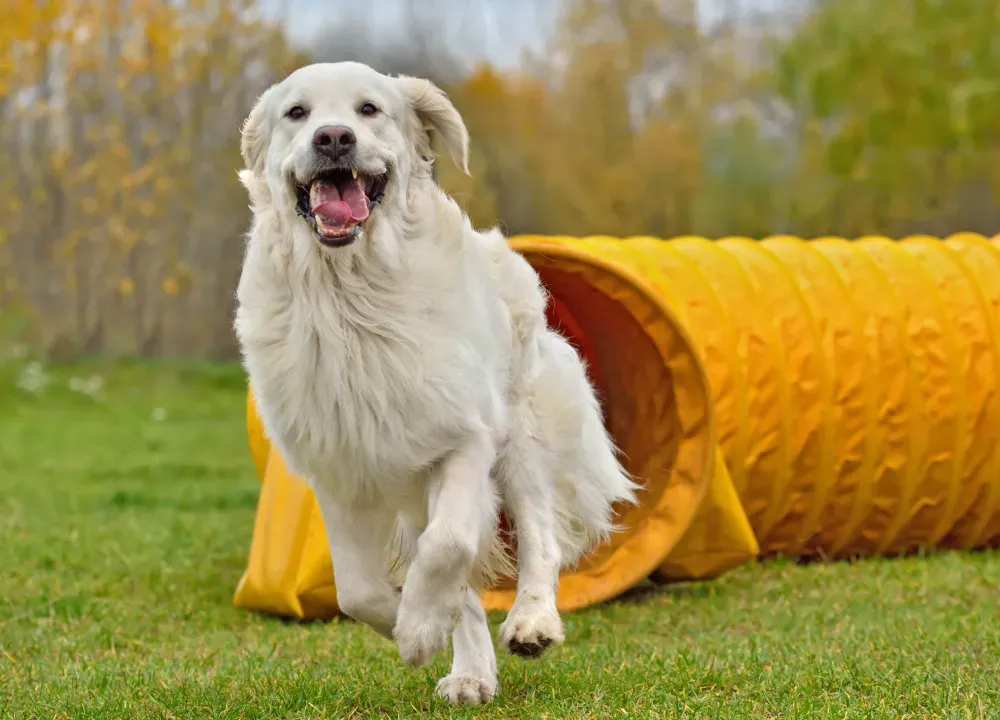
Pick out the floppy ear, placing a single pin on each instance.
(255, 136)
(435, 112)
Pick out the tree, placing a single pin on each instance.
(902, 101)
(121, 122)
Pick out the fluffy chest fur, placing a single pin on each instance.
(364, 377)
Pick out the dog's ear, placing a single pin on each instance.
(435, 112)
(255, 136)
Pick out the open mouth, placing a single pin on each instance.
(337, 202)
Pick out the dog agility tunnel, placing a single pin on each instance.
(826, 398)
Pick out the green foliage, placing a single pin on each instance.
(908, 92)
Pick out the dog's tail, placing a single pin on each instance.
(591, 481)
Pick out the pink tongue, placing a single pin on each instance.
(334, 211)
(340, 208)
(356, 199)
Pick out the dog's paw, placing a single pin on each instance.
(531, 629)
(421, 636)
(466, 690)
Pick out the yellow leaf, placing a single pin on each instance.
(126, 287)
(171, 286)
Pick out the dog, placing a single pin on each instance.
(403, 367)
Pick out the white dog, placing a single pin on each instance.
(402, 365)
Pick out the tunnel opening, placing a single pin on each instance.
(609, 326)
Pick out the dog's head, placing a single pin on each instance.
(338, 143)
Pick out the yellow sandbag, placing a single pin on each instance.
(828, 398)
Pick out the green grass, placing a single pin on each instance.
(125, 519)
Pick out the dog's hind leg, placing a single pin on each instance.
(462, 512)
(533, 623)
(473, 676)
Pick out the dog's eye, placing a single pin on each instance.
(296, 112)
(368, 109)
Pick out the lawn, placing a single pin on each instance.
(126, 504)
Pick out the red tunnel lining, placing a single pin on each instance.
(560, 318)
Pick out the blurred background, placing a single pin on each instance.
(122, 221)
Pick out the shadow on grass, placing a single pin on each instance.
(649, 591)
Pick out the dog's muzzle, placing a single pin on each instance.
(336, 202)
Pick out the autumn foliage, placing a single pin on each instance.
(121, 219)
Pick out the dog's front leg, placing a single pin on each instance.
(358, 536)
(461, 512)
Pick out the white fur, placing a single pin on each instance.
(411, 379)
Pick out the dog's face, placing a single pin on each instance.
(337, 143)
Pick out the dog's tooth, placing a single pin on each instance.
(355, 174)
(313, 192)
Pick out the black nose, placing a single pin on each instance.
(334, 141)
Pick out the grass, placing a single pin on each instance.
(126, 508)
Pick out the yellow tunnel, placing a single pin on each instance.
(827, 398)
